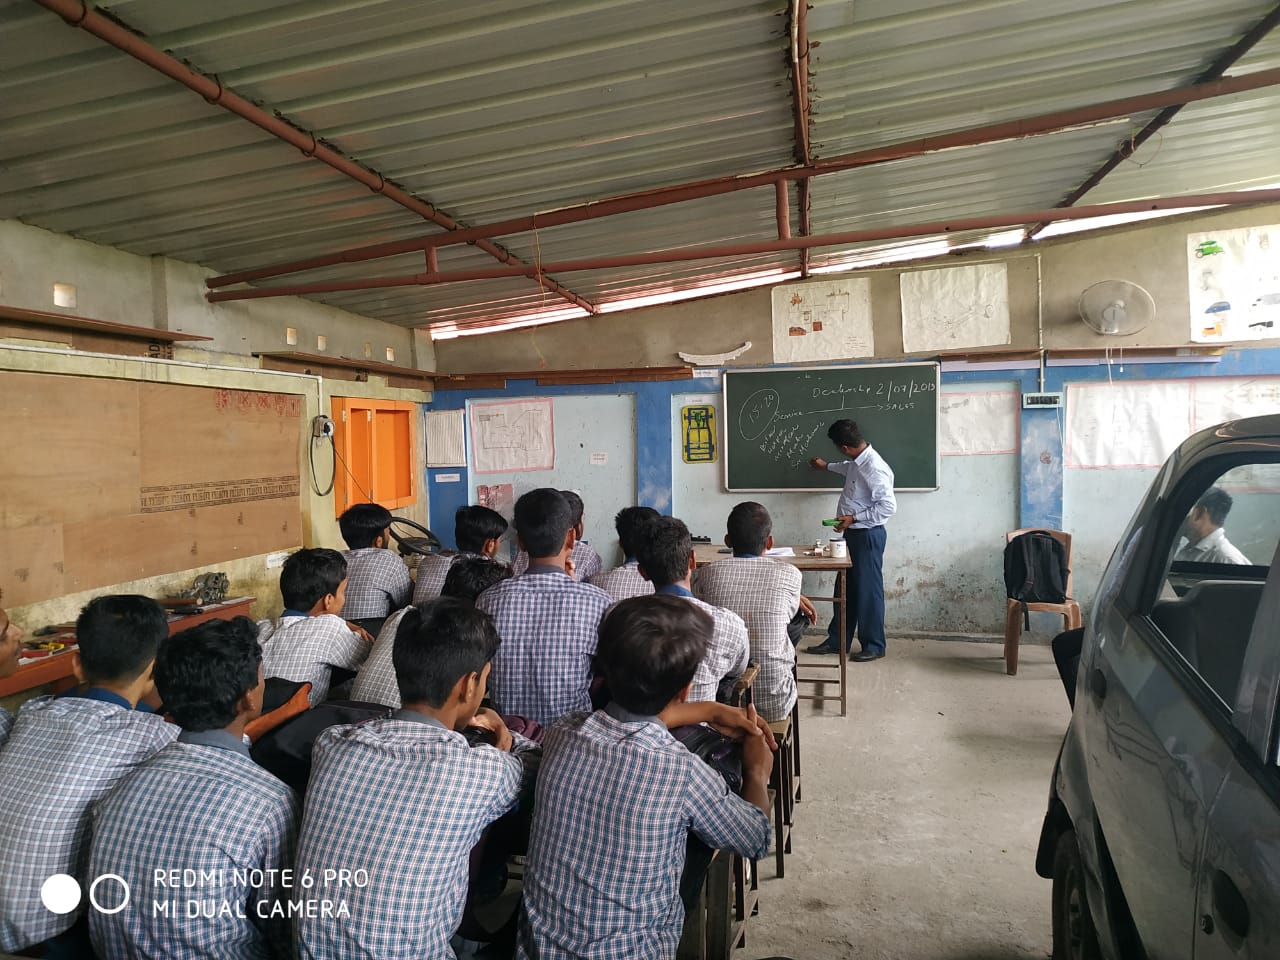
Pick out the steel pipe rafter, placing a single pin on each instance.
(800, 109)
(77, 13)
(975, 136)
(755, 248)
(1127, 149)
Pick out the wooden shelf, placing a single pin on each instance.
(551, 378)
(96, 336)
(56, 668)
(344, 368)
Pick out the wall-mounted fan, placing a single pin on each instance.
(1116, 308)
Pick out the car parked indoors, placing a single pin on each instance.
(1162, 835)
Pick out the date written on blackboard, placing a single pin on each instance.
(884, 389)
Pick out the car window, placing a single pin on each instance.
(1218, 551)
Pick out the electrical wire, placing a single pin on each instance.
(337, 456)
(333, 471)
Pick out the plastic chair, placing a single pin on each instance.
(1069, 609)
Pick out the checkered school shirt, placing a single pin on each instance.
(615, 800)
(766, 594)
(432, 571)
(623, 582)
(376, 681)
(199, 804)
(727, 652)
(304, 648)
(548, 623)
(6, 721)
(63, 755)
(586, 562)
(406, 800)
(377, 583)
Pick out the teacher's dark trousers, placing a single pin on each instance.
(864, 591)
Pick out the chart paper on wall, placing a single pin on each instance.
(830, 320)
(445, 442)
(513, 436)
(1126, 425)
(1234, 278)
(971, 424)
(955, 307)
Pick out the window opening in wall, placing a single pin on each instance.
(375, 445)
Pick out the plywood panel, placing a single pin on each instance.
(246, 529)
(31, 563)
(72, 447)
(114, 480)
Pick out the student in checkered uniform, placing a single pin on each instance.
(378, 581)
(478, 533)
(467, 579)
(308, 640)
(665, 553)
(199, 804)
(586, 562)
(617, 796)
(66, 753)
(766, 594)
(10, 646)
(547, 620)
(407, 798)
(626, 581)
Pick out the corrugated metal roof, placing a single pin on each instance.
(502, 108)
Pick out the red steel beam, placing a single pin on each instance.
(800, 110)
(1127, 149)
(1236, 198)
(77, 13)
(701, 189)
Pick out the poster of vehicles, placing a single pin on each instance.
(1234, 278)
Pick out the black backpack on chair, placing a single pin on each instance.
(1035, 570)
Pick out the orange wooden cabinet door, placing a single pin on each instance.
(375, 443)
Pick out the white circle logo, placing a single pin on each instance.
(93, 894)
(60, 893)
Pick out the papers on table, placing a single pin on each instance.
(780, 552)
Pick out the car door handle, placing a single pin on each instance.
(1098, 684)
(1230, 905)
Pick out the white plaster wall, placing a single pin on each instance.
(169, 294)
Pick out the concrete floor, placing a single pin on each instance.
(917, 834)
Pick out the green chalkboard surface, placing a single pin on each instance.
(775, 420)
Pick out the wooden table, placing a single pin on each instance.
(817, 673)
(56, 669)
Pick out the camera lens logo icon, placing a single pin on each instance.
(61, 893)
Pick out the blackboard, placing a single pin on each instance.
(774, 421)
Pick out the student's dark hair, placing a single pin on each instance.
(202, 673)
(363, 523)
(543, 519)
(664, 551)
(309, 576)
(629, 523)
(438, 645)
(649, 649)
(845, 433)
(576, 506)
(749, 527)
(118, 636)
(1217, 503)
(468, 577)
(472, 526)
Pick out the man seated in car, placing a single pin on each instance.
(1206, 540)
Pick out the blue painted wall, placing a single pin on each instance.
(1043, 488)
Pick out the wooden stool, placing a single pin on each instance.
(707, 930)
(782, 787)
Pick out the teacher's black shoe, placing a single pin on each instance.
(866, 656)
(822, 648)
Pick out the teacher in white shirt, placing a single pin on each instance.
(866, 502)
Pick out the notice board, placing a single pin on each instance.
(107, 481)
(774, 421)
